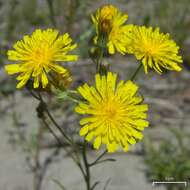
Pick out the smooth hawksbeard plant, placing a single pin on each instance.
(38, 55)
(114, 113)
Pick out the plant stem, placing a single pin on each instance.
(99, 157)
(86, 171)
(53, 120)
(136, 72)
(60, 143)
(87, 168)
(37, 175)
(75, 149)
(76, 160)
(51, 131)
(99, 66)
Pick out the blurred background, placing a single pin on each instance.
(30, 158)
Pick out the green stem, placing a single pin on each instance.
(86, 165)
(53, 120)
(136, 72)
(99, 66)
(99, 157)
(51, 131)
(76, 159)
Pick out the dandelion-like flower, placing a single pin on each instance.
(115, 114)
(38, 54)
(110, 23)
(156, 50)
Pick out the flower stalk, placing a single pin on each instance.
(86, 165)
(136, 72)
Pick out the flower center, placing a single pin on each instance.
(110, 111)
(41, 56)
(151, 49)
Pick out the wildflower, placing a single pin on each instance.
(110, 24)
(156, 50)
(37, 56)
(115, 115)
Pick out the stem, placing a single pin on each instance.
(58, 127)
(100, 56)
(75, 149)
(76, 160)
(51, 131)
(53, 120)
(37, 174)
(99, 157)
(95, 184)
(136, 72)
(33, 94)
(107, 182)
(87, 168)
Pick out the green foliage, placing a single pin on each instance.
(170, 160)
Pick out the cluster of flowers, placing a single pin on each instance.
(115, 113)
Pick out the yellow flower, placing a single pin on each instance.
(115, 115)
(156, 50)
(110, 22)
(36, 56)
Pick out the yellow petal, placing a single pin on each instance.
(44, 80)
(58, 68)
(111, 147)
(24, 77)
(111, 48)
(36, 82)
(12, 68)
(89, 136)
(131, 140)
(84, 130)
(21, 83)
(97, 142)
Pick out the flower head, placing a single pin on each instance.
(115, 115)
(155, 49)
(110, 23)
(36, 56)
